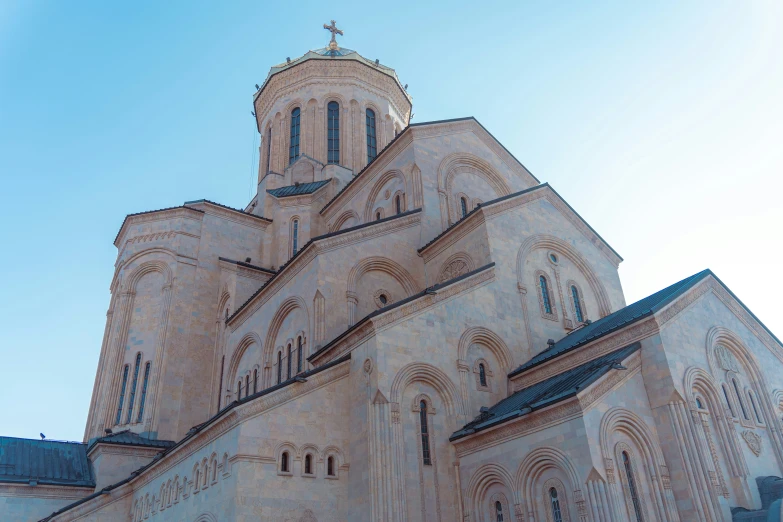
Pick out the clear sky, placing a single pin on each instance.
(659, 122)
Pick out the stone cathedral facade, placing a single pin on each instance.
(404, 324)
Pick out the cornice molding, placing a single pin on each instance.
(237, 216)
(103, 448)
(156, 215)
(710, 284)
(533, 422)
(8, 489)
(610, 382)
(388, 319)
(330, 72)
(580, 355)
(310, 252)
(244, 271)
(460, 230)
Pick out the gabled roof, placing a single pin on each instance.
(128, 438)
(615, 321)
(45, 461)
(298, 190)
(545, 393)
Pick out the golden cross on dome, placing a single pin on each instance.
(335, 31)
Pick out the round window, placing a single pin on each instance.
(382, 298)
(553, 257)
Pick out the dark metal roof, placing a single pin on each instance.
(299, 189)
(547, 392)
(429, 290)
(45, 461)
(612, 322)
(128, 438)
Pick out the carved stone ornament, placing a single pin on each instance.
(454, 269)
(308, 516)
(726, 359)
(753, 440)
(368, 366)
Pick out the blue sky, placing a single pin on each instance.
(659, 122)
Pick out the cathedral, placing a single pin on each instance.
(403, 324)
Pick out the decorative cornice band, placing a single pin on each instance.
(8, 489)
(156, 215)
(237, 216)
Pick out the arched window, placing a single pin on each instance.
(268, 148)
(294, 237)
(330, 466)
(333, 131)
(498, 511)
(288, 363)
(377, 216)
(239, 389)
(425, 436)
(398, 204)
(372, 149)
(464, 205)
(293, 148)
(255, 380)
(122, 394)
(728, 401)
(577, 304)
(545, 294)
(308, 465)
(144, 391)
(753, 404)
(482, 375)
(299, 354)
(739, 399)
(637, 508)
(699, 404)
(279, 367)
(557, 516)
(247, 385)
(133, 387)
(284, 462)
(196, 477)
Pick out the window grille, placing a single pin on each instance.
(577, 305)
(133, 388)
(295, 237)
(545, 294)
(122, 394)
(498, 511)
(372, 149)
(482, 375)
(637, 507)
(464, 204)
(333, 133)
(425, 437)
(557, 515)
(144, 391)
(293, 148)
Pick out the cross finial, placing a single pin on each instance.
(335, 31)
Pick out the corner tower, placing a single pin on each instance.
(332, 106)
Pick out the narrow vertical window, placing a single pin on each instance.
(398, 204)
(333, 132)
(239, 389)
(557, 515)
(464, 206)
(299, 354)
(284, 462)
(753, 404)
(293, 147)
(308, 465)
(143, 391)
(728, 401)
(247, 385)
(377, 216)
(122, 394)
(545, 294)
(577, 304)
(132, 396)
(498, 511)
(372, 149)
(637, 508)
(268, 148)
(330, 466)
(739, 399)
(425, 436)
(288, 363)
(255, 380)
(279, 367)
(295, 237)
(482, 375)
(220, 388)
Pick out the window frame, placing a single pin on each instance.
(294, 134)
(550, 314)
(333, 132)
(371, 134)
